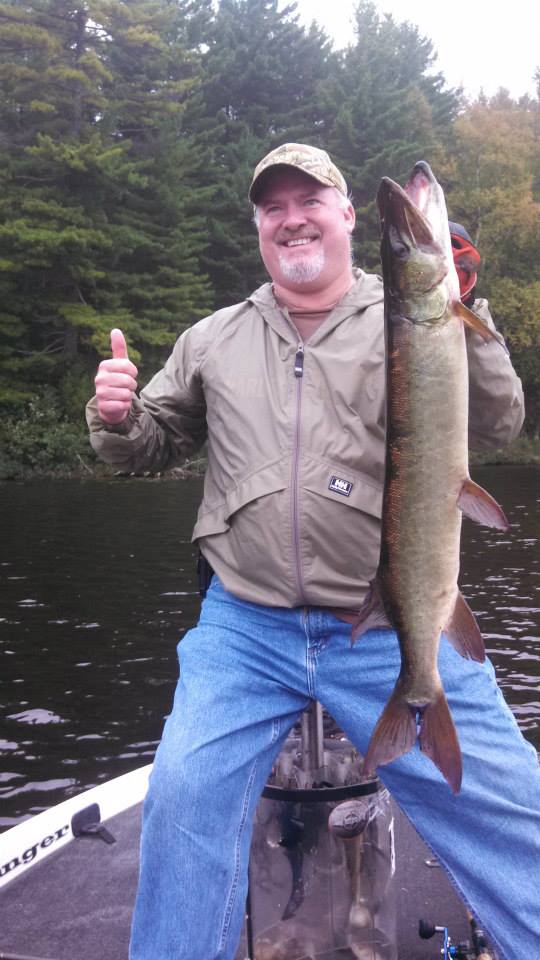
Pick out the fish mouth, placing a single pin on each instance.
(422, 187)
(415, 242)
(402, 218)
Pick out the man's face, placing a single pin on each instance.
(304, 231)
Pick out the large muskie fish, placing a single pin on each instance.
(427, 485)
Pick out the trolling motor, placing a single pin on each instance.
(321, 872)
(460, 951)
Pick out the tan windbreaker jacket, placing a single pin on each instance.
(293, 491)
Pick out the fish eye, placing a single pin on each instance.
(399, 249)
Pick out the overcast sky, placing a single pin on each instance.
(481, 43)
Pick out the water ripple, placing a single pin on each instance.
(36, 716)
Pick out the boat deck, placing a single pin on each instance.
(77, 904)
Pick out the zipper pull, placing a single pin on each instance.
(299, 361)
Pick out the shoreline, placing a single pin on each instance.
(523, 452)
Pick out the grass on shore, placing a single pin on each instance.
(523, 451)
(75, 460)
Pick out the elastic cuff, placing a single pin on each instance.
(122, 428)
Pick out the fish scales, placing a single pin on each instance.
(427, 483)
(420, 568)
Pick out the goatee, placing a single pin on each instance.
(304, 271)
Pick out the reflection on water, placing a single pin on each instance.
(500, 574)
(98, 584)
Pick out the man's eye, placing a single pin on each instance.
(312, 202)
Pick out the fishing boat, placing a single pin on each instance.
(68, 875)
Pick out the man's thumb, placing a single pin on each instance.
(118, 345)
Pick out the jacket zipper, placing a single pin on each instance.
(298, 372)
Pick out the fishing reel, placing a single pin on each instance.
(479, 949)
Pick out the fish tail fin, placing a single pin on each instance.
(394, 734)
(438, 740)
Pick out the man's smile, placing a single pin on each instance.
(297, 241)
(304, 233)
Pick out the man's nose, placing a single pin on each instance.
(294, 217)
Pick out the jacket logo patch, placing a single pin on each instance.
(338, 485)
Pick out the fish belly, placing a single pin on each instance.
(419, 564)
(426, 468)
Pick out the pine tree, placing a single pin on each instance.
(490, 173)
(52, 89)
(383, 111)
(100, 199)
(261, 76)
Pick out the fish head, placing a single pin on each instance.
(418, 265)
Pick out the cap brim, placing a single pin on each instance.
(259, 182)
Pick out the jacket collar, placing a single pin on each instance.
(365, 291)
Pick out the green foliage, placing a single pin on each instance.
(383, 111)
(260, 78)
(99, 196)
(523, 450)
(491, 173)
(40, 440)
(129, 133)
(517, 304)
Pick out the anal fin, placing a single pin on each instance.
(477, 504)
(463, 632)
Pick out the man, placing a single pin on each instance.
(288, 387)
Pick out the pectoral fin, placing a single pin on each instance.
(477, 504)
(463, 632)
(473, 321)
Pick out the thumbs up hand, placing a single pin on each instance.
(116, 382)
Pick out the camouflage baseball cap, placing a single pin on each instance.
(311, 160)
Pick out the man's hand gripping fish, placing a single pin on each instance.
(427, 485)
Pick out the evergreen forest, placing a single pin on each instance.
(128, 135)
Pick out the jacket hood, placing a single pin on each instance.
(366, 291)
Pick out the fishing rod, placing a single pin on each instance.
(19, 956)
(479, 950)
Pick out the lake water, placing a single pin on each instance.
(98, 584)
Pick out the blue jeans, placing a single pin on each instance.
(246, 672)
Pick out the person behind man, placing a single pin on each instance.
(288, 389)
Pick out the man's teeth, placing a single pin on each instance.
(301, 241)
